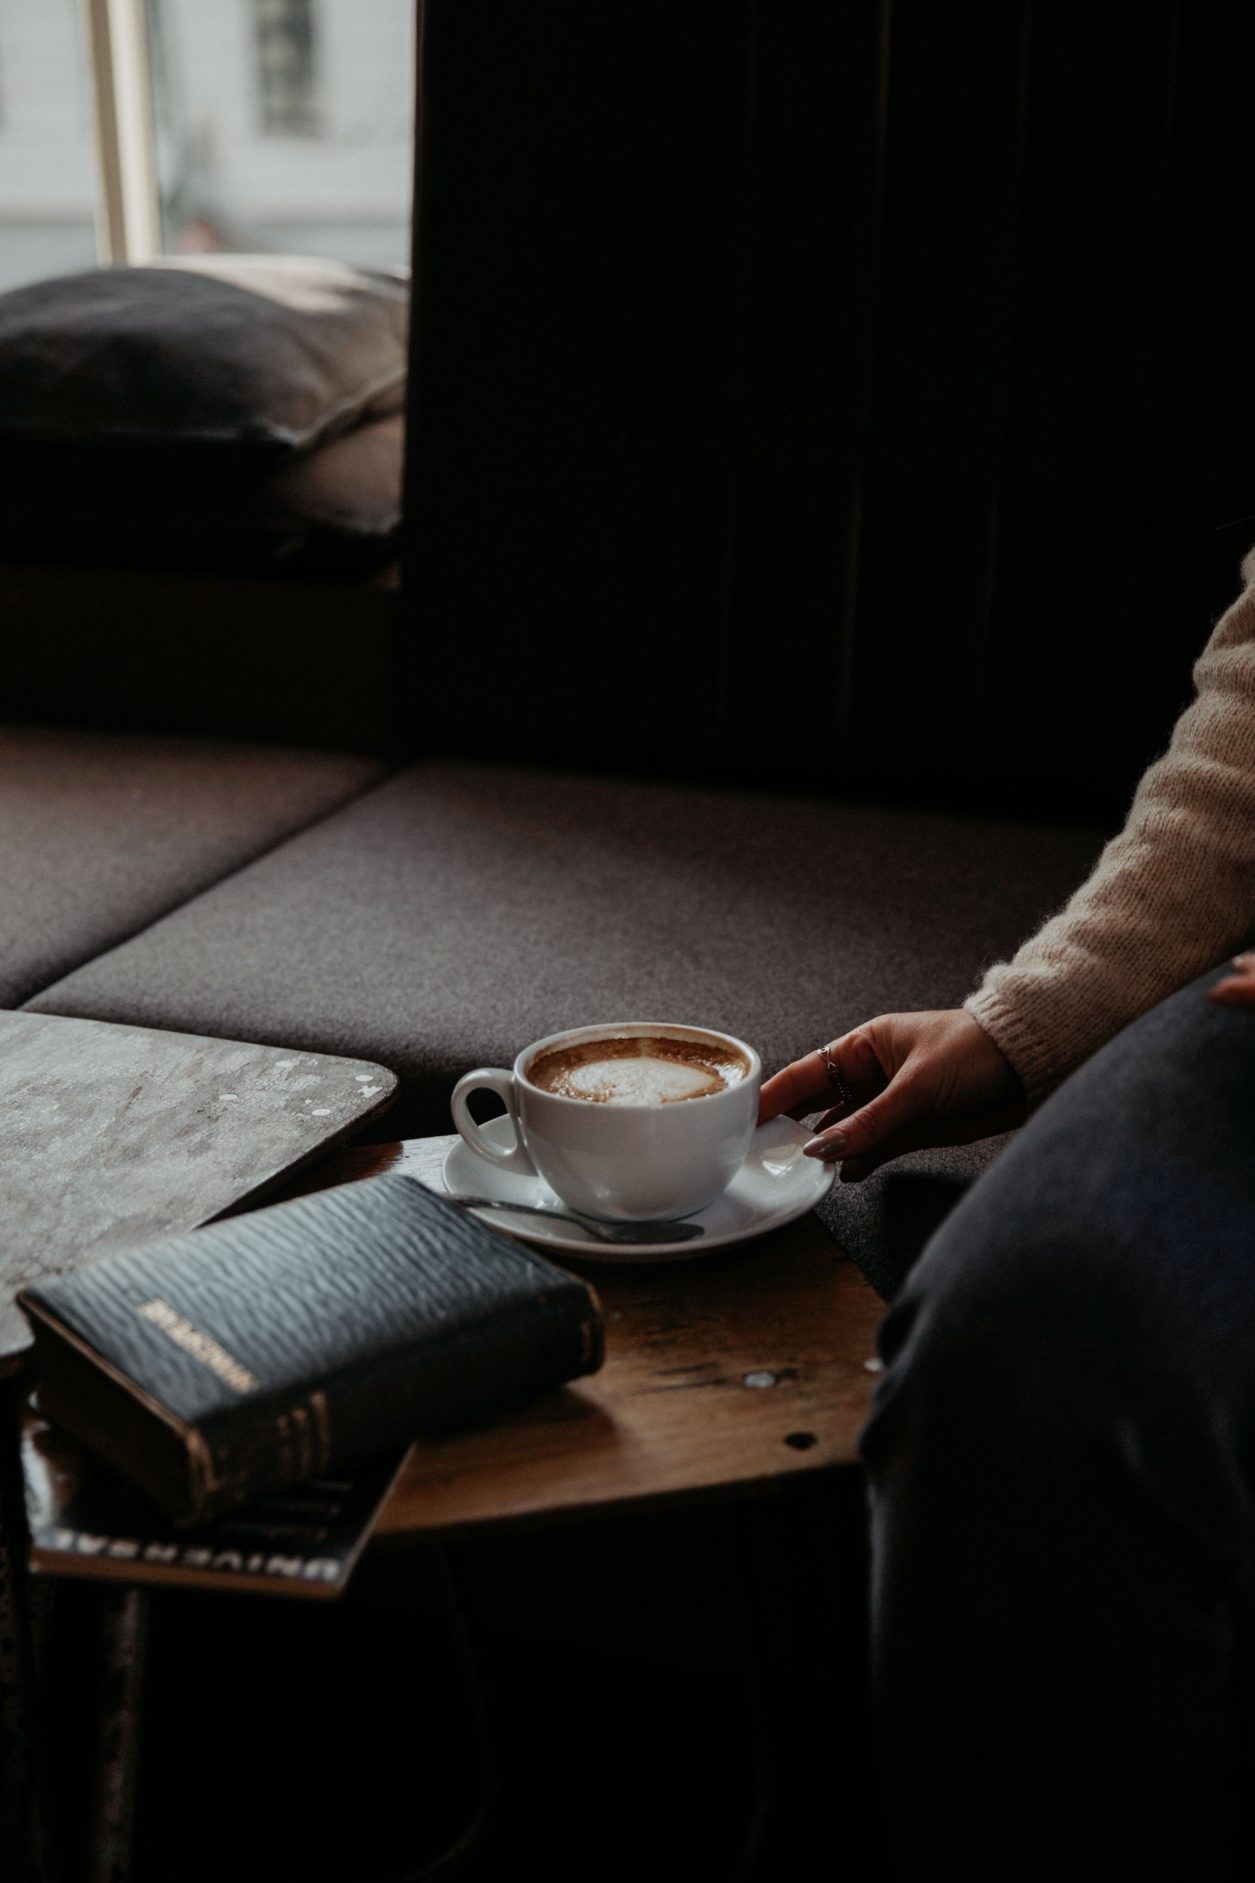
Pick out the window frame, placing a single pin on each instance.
(128, 225)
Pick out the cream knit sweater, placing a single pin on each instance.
(1172, 895)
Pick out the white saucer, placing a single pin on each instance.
(774, 1185)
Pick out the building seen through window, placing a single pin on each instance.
(47, 143)
(278, 124)
(287, 76)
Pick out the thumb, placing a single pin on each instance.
(864, 1130)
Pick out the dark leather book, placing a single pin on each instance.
(218, 1366)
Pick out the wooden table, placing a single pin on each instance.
(751, 1364)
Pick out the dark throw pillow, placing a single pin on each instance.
(231, 357)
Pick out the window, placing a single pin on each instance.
(285, 124)
(48, 184)
(135, 127)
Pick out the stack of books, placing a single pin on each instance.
(230, 1407)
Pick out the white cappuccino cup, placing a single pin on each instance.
(626, 1122)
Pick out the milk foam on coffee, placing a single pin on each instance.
(649, 1069)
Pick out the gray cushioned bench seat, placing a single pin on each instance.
(101, 836)
(452, 913)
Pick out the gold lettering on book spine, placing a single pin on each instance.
(201, 1346)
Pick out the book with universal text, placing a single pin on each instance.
(84, 1521)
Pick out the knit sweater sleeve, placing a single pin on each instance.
(1170, 896)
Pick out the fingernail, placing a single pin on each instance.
(830, 1144)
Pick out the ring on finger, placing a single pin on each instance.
(834, 1077)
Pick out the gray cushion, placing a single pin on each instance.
(454, 913)
(100, 836)
(226, 354)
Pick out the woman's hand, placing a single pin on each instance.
(1238, 989)
(907, 1081)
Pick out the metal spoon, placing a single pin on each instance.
(624, 1234)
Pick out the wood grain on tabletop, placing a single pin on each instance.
(670, 1411)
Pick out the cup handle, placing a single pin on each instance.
(491, 1079)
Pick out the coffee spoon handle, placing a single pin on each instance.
(623, 1233)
